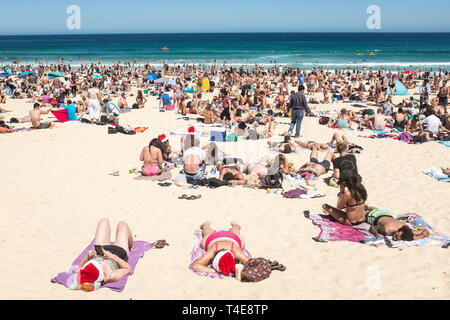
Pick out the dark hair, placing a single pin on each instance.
(301, 87)
(287, 148)
(354, 185)
(156, 143)
(407, 234)
(287, 138)
(37, 105)
(228, 176)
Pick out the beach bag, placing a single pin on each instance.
(273, 180)
(232, 137)
(169, 107)
(324, 120)
(258, 269)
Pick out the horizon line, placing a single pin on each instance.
(74, 33)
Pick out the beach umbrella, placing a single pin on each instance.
(56, 74)
(152, 76)
(161, 80)
(410, 71)
(8, 70)
(4, 74)
(24, 74)
(171, 82)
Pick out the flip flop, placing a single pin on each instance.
(165, 184)
(160, 244)
(277, 266)
(193, 197)
(184, 196)
(115, 173)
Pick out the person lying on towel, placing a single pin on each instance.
(223, 249)
(384, 224)
(107, 263)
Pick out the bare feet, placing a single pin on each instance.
(234, 224)
(205, 224)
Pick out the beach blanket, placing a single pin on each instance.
(67, 278)
(165, 175)
(331, 230)
(436, 238)
(197, 252)
(437, 174)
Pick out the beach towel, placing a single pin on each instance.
(437, 174)
(197, 252)
(436, 238)
(66, 278)
(331, 230)
(165, 175)
(140, 129)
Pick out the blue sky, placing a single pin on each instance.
(152, 16)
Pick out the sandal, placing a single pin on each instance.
(115, 173)
(184, 196)
(160, 244)
(165, 184)
(277, 266)
(193, 197)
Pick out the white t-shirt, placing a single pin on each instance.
(432, 123)
(195, 151)
(93, 93)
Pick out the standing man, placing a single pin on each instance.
(424, 91)
(298, 105)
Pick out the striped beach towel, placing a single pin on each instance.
(197, 252)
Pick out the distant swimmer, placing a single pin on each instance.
(165, 48)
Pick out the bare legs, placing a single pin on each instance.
(207, 230)
(339, 216)
(124, 237)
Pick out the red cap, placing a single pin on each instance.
(191, 129)
(162, 137)
(89, 273)
(227, 264)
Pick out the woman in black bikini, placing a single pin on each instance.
(351, 207)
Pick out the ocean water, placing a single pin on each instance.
(304, 50)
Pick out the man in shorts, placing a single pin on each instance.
(35, 117)
(316, 167)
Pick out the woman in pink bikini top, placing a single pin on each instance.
(223, 250)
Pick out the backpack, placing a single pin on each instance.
(324, 120)
(258, 269)
(404, 136)
(273, 181)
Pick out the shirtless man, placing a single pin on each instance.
(35, 116)
(287, 146)
(443, 94)
(377, 121)
(316, 167)
(384, 224)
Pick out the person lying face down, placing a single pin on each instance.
(384, 224)
(231, 174)
(223, 250)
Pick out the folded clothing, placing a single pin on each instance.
(437, 173)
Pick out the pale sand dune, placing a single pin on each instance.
(55, 188)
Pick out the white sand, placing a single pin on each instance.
(55, 188)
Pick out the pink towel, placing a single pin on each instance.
(331, 230)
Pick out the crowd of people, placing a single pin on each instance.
(247, 103)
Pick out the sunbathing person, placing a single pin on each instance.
(35, 116)
(316, 167)
(152, 157)
(277, 163)
(383, 224)
(446, 171)
(223, 249)
(350, 208)
(231, 174)
(311, 144)
(109, 264)
(287, 146)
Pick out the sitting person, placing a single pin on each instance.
(231, 174)
(152, 157)
(316, 167)
(287, 146)
(35, 116)
(352, 200)
(400, 120)
(167, 153)
(194, 159)
(384, 224)
(96, 269)
(377, 121)
(122, 102)
(343, 120)
(345, 160)
(223, 249)
(209, 115)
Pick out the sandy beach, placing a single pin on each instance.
(56, 186)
